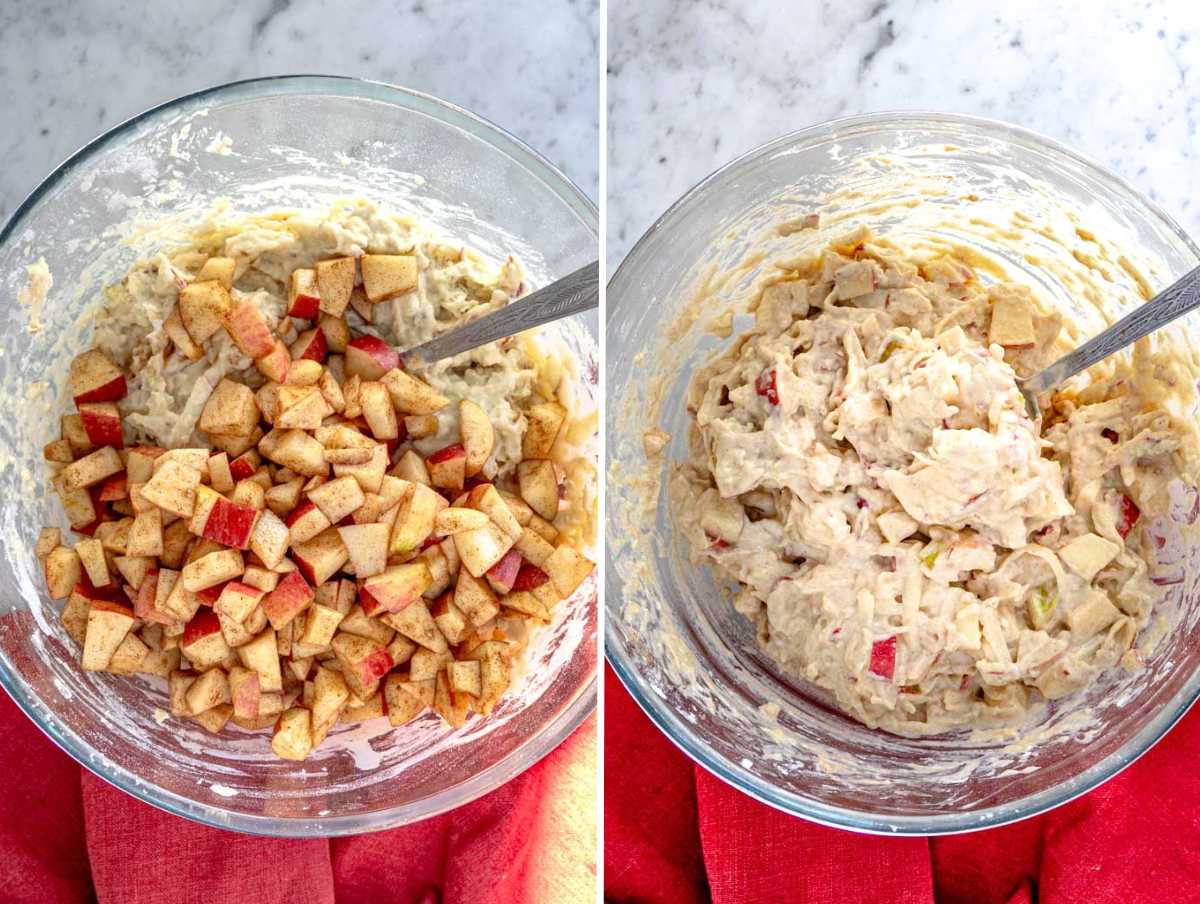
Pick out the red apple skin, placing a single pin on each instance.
(143, 606)
(530, 577)
(305, 307)
(447, 454)
(203, 623)
(242, 467)
(382, 356)
(374, 666)
(92, 593)
(290, 596)
(506, 570)
(209, 596)
(110, 606)
(312, 346)
(114, 488)
(112, 391)
(230, 524)
(248, 324)
(299, 512)
(102, 423)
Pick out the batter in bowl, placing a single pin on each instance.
(901, 532)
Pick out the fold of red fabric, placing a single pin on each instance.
(1132, 840)
(67, 836)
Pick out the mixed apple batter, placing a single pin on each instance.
(901, 532)
(284, 522)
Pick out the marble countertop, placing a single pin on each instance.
(691, 86)
(101, 61)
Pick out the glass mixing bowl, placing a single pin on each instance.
(1081, 238)
(294, 142)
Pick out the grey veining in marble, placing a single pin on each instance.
(73, 68)
(692, 85)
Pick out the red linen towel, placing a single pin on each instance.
(68, 837)
(673, 833)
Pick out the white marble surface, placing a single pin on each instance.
(693, 85)
(73, 69)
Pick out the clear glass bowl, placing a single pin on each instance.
(672, 636)
(294, 142)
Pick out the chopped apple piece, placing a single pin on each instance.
(261, 656)
(276, 363)
(330, 694)
(245, 690)
(301, 407)
(231, 410)
(203, 307)
(567, 569)
(412, 396)
(455, 520)
(1087, 555)
(63, 571)
(292, 737)
(378, 411)
(310, 345)
(58, 451)
(75, 435)
(404, 699)
(364, 662)
(320, 558)
(102, 423)
(539, 486)
(420, 426)
(534, 547)
(448, 467)
(269, 539)
(503, 575)
(78, 504)
(415, 623)
(299, 452)
(94, 378)
(1012, 321)
(450, 706)
(139, 465)
(527, 604)
(388, 275)
(92, 469)
(304, 297)
(337, 333)
(338, 498)
(478, 435)
(221, 269)
(287, 600)
(481, 548)
(173, 488)
(395, 588)
(450, 620)
(486, 499)
(237, 601)
(212, 569)
(127, 659)
(415, 518)
(475, 598)
(335, 282)
(209, 690)
(464, 677)
(107, 625)
(369, 358)
(203, 643)
(367, 546)
(230, 524)
(49, 539)
(180, 337)
(543, 422)
(410, 467)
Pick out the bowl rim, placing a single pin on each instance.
(683, 735)
(530, 751)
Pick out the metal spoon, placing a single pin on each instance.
(1169, 304)
(573, 294)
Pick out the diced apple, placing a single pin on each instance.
(367, 546)
(276, 363)
(331, 390)
(127, 659)
(114, 488)
(107, 625)
(321, 557)
(298, 451)
(370, 475)
(415, 520)
(335, 280)
(378, 411)
(49, 539)
(337, 333)
(369, 358)
(301, 407)
(361, 306)
(92, 469)
(539, 486)
(173, 488)
(338, 498)
(412, 468)
(212, 569)
(237, 601)
(63, 571)
(287, 600)
(385, 276)
(75, 435)
(364, 662)
(330, 694)
(451, 621)
(482, 548)
(209, 690)
(305, 373)
(464, 677)
(534, 548)
(58, 451)
(475, 598)
(269, 539)
(526, 603)
(180, 337)
(261, 655)
(503, 575)
(95, 564)
(415, 623)
(567, 569)
(292, 737)
(244, 465)
(478, 435)
(410, 395)
(454, 520)
(486, 499)
(203, 307)
(1012, 322)
(395, 588)
(139, 464)
(77, 504)
(231, 410)
(447, 468)
(221, 269)
(231, 524)
(203, 643)
(305, 522)
(102, 423)
(1087, 555)
(542, 423)
(424, 664)
(245, 689)
(94, 378)
(304, 297)
(310, 345)
(404, 701)
(283, 498)
(452, 707)
(358, 622)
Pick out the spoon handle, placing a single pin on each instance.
(573, 294)
(1173, 302)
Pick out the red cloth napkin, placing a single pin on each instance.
(68, 837)
(673, 833)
